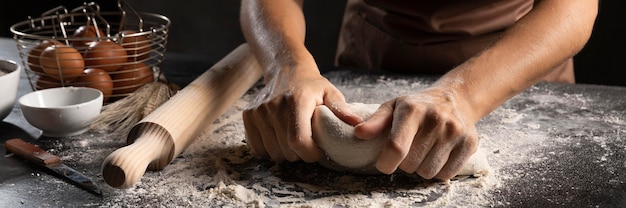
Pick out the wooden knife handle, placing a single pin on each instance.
(31, 152)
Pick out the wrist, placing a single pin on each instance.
(292, 65)
(457, 95)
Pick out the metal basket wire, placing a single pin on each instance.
(143, 48)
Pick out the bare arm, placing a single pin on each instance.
(433, 132)
(552, 32)
(275, 29)
(278, 124)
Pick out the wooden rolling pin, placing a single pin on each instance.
(171, 128)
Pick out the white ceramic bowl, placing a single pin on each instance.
(9, 79)
(63, 111)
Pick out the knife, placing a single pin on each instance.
(51, 162)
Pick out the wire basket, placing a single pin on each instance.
(116, 52)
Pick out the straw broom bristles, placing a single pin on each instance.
(120, 116)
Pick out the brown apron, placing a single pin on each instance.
(427, 36)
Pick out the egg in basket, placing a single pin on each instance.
(116, 52)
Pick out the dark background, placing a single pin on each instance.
(203, 31)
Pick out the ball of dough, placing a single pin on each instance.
(336, 137)
(346, 152)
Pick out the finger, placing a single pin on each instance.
(423, 142)
(337, 104)
(434, 161)
(418, 151)
(403, 130)
(300, 134)
(453, 165)
(271, 143)
(253, 136)
(377, 123)
(458, 157)
(281, 133)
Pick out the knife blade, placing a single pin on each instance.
(51, 162)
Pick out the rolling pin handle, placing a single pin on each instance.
(180, 120)
(125, 166)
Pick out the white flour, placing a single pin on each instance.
(217, 170)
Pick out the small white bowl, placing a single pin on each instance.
(63, 111)
(9, 79)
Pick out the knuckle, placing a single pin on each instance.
(411, 108)
(453, 128)
(434, 116)
(397, 148)
(387, 106)
(296, 143)
(470, 143)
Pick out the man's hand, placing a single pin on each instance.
(278, 122)
(430, 134)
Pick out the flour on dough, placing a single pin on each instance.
(345, 152)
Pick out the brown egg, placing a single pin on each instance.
(131, 77)
(35, 52)
(98, 79)
(62, 62)
(46, 82)
(137, 46)
(106, 55)
(85, 35)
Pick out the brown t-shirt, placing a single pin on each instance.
(422, 35)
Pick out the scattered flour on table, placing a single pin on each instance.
(216, 170)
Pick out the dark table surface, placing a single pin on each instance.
(554, 144)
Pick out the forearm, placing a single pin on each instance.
(278, 122)
(552, 32)
(275, 30)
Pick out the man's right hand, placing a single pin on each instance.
(278, 121)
